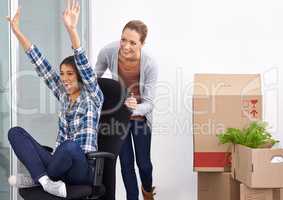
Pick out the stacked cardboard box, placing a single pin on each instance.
(259, 172)
(248, 193)
(257, 168)
(255, 194)
(221, 101)
(278, 194)
(220, 186)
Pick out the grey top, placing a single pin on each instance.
(108, 58)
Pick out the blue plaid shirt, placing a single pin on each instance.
(78, 122)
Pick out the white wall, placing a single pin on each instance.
(195, 36)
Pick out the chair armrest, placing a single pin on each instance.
(97, 154)
(96, 161)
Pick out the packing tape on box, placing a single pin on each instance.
(212, 159)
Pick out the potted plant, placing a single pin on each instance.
(254, 136)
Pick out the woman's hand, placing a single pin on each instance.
(71, 15)
(131, 102)
(14, 22)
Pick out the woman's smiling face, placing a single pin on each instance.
(69, 78)
(130, 44)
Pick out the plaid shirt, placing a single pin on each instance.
(79, 122)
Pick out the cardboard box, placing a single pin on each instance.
(278, 194)
(221, 101)
(260, 194)
(253, 167)
(255, 194)
(218, 186)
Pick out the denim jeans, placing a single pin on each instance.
(68, 163)
(141, 135)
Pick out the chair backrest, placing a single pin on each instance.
(113, 127)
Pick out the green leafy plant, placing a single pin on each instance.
(254, 136)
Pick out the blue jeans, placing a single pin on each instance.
(68, 163)
(141, 135)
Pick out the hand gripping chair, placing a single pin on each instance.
(113, 121)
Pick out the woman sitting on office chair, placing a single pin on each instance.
(81, 100)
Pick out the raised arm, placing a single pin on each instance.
(43, 68)
(71, 17)
(24, 41)
(89, 78)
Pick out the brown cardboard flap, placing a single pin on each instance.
(242, 163)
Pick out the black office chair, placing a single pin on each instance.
(113, 121)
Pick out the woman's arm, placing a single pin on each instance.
(149, 86)
(101, 63)
(71, 17)
(89, 78)
(87, 134)
(43, 68)
(24, 41)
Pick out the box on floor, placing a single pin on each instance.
(278, 194)
(247, 193)
(218, 186)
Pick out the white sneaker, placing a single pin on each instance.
(57, 188)
(21, 181)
